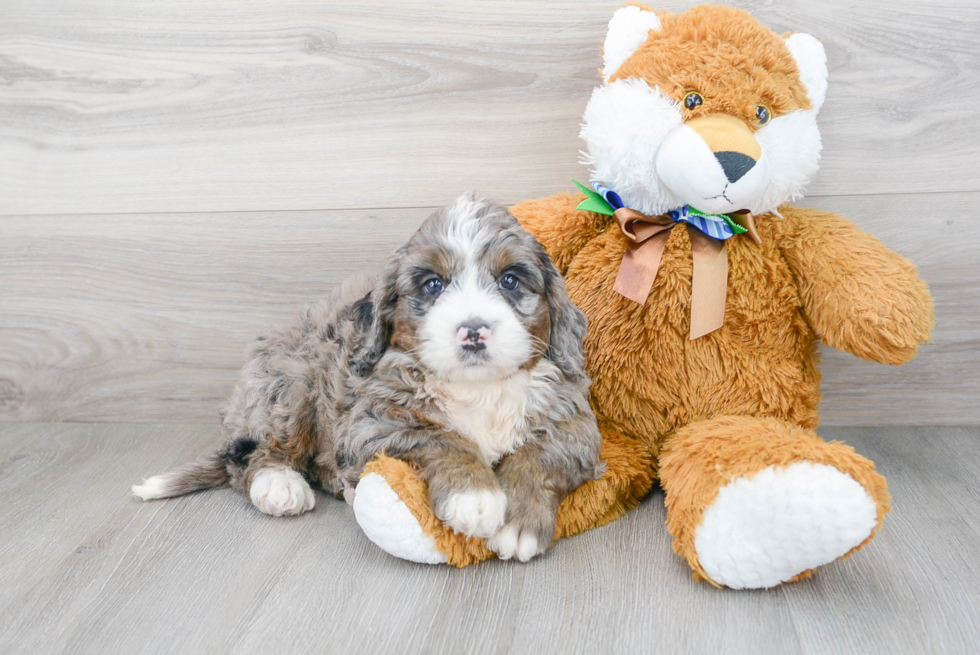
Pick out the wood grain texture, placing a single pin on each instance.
(146, 317)
(86, 568)
(205, 105)
(175, 177)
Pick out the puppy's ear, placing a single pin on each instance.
(568, 323)
(373, 317)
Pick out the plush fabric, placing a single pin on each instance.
(712, 413)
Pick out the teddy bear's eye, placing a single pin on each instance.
(693, 99)
(762, 114)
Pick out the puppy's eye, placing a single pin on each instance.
(434, 286)
(509, 282)
(693, 99)
(762, 114)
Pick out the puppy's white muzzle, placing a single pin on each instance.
(472, 332)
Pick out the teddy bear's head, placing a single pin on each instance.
(708, 108)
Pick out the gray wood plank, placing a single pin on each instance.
(158, 308)
(204, 105)
(55, 461)
(145, 317)
(96, 571)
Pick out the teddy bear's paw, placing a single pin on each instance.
(281, 492)
(766, 529)
(474, 513)
(512, 542)
(388, 522)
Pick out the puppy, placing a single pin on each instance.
(464, 358)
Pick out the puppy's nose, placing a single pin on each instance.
(472, 335)
(735, 164)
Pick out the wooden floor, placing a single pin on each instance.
(177, 176)
(86, 568)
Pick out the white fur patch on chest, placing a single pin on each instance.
(494, 414)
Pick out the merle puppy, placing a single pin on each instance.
(463, 358)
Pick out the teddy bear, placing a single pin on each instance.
(706, 294)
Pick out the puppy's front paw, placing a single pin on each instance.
(512, 541)
(474, 513)
(281, 492)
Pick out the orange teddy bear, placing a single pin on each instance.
(706, 295)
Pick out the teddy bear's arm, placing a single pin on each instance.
(562, 229)
(858, 295)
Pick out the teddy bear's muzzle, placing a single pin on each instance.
(714, 163)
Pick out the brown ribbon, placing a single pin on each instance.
(709, 285)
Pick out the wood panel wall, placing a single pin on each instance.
(177, 176)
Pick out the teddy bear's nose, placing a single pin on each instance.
(735, 164)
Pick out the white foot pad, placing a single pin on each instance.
(281, 492)
(762, 531)
(388, 522)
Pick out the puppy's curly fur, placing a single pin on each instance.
(463, 358)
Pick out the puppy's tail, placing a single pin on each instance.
(207, 473)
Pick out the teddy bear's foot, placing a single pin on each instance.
(768, 528)
(391, 504)
(388, 522)
(752, 503)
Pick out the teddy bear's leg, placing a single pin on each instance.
(391, 505)
(628, 476)
(755, 502)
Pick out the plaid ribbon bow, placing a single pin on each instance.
(648, 237)
(716, 226)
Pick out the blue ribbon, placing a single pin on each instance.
(608, 195)
(715, 226)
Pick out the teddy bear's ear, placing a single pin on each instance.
(811, 59)
(628, 30)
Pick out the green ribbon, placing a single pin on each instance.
(736, 228)
(595, 202)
